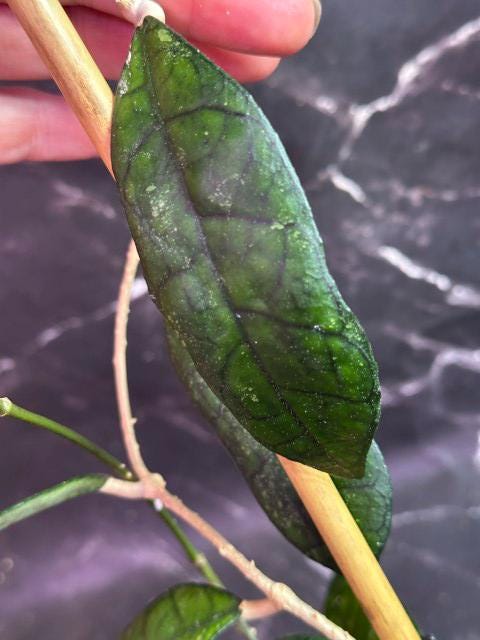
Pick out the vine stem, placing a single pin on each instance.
(91, 483)
(152, 486)
(280, 594)
(127, 421)
(8, 408)
(11, 410)
(256, 609)
(51, 497)
(87, 92)
(197, 558)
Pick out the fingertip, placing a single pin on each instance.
(243, 67)
(258, 27)
(298, 29)
(39, 126)
(263, 69)
(107, 38)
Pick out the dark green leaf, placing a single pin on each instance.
(342, 607)
(369, 499)
(233, 259)
(51, 497)
(186, 612)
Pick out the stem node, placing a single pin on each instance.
(5, 407)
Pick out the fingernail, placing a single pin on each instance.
(317, 8)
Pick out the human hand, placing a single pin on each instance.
(245, 37)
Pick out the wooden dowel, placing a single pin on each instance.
(351, 551)
(72, 67)
(89, 95)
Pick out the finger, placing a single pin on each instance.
(263, 27)
(39, 126)
(243, 67)
(259, 27)
(106, 36)
(108, 40)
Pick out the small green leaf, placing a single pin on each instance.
(186, 612)
(369, 499)
(233, 258)
(51, 497)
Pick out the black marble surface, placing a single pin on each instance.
(380, 115)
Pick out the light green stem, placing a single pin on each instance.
(7, 408)
(51, 497)
(246, 630)
(66, 490)
(199, 560)
(196, 557)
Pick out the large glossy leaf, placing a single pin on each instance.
(369, 498)
(343, 608)
(233, 258)
(186, 612)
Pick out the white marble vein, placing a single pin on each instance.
(67, 196)
(444, 355)
(73, 323)
(437, 562)
(412, 74)
(416, 195)
(434, 515)
(412, 77)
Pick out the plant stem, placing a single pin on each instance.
(152, 486)
(47, 498)
(127, 421)
(92, 483)
(246, 629)
(200, 561)
(256, 609)
(51, 497)
(193, 554)
(281, 594)
(7, 408)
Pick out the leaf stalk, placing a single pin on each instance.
(9, 409)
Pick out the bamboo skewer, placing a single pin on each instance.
(89, 95)
(351, 552)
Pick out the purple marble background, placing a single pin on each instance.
(380, 115)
